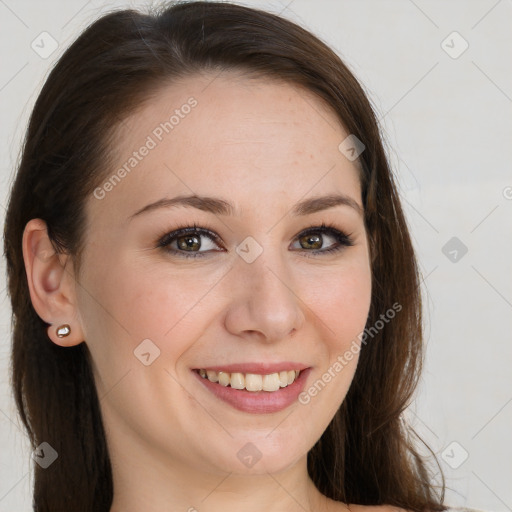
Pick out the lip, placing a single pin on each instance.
(257, 402)
(256, 368)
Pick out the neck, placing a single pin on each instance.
(159, 485)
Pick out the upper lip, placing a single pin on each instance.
(256, 368)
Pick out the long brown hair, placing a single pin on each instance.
(367, 455)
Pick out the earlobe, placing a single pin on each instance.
(62, 334)
(51, 285)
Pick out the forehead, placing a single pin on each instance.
(232, 136)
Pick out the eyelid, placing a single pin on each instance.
(170, 236)
(343, 240)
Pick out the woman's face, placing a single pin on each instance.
(254, 287)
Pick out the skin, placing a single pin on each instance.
(263, 146)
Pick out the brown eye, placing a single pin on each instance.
(321, 240)
(311, 241)
(188, 243)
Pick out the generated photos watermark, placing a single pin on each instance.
(343, 359)
(157, 135)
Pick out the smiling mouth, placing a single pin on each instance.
(251, 381)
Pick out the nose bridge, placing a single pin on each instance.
(263, 298)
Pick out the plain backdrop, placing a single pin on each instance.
(439, 75)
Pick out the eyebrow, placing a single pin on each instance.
(222, 207)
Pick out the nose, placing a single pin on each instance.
(263, 302)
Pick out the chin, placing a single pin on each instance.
(259, 457)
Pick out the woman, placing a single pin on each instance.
(216, 300)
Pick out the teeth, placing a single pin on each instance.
(237, 381)
(223, 378)
(271, 382)
(251, 381)
(212, 376)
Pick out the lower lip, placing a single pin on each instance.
(257, 402)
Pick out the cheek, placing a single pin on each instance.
(341, 300)
(126, 304)
(130, 301)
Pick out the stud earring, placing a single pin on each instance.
(63, 330)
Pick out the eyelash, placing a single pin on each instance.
(343, 240)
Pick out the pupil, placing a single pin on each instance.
(189, 242)
(312, 242)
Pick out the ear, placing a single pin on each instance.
(51, 283)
